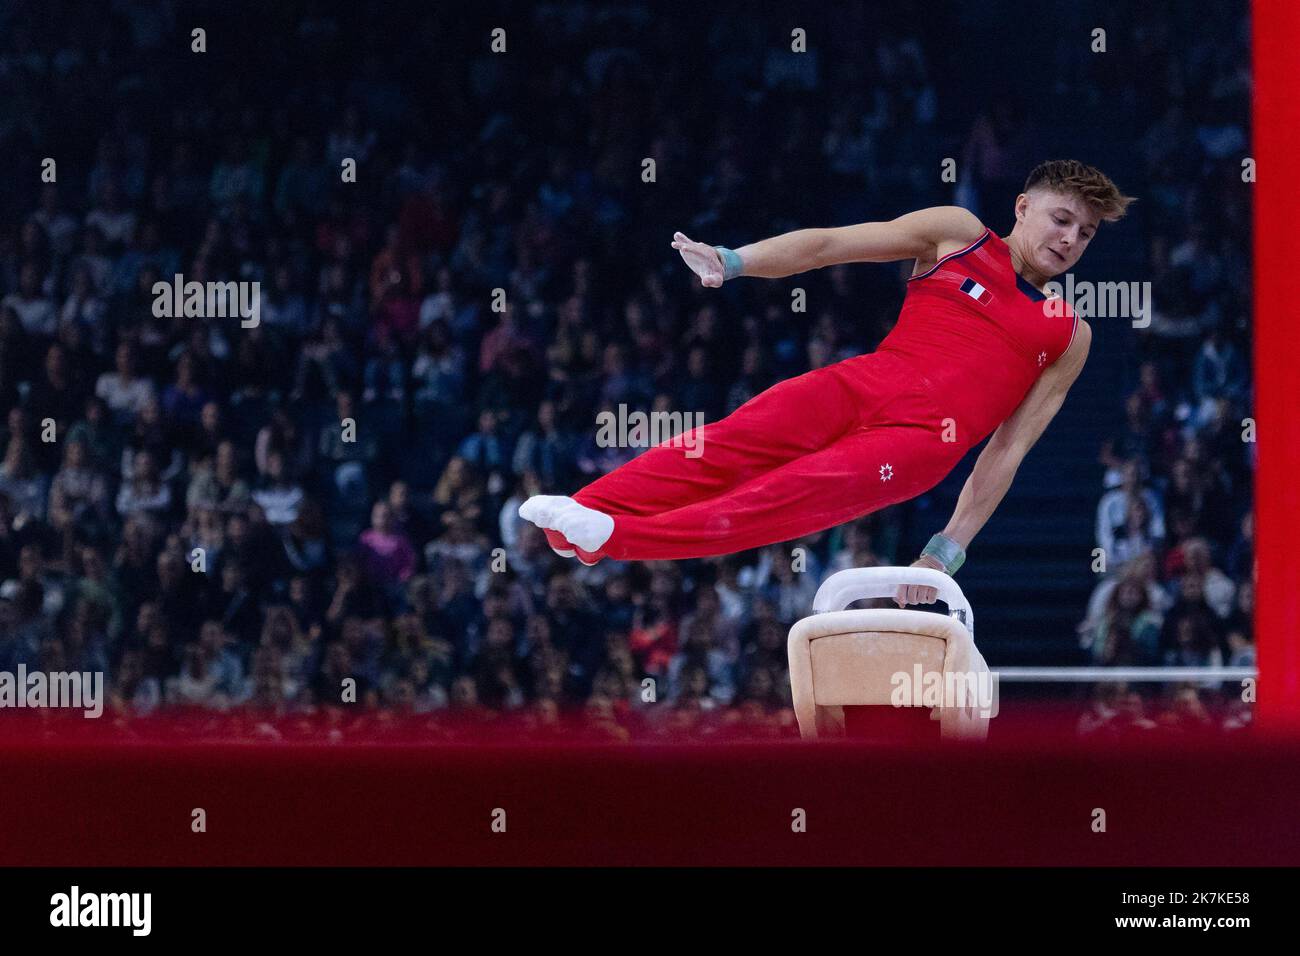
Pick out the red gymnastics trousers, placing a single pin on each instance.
(807, 454)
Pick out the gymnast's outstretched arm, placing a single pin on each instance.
(914, 236)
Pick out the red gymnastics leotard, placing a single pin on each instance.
(842, 441)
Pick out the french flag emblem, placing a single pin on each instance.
(977, 292)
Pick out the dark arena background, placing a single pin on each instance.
(287, 539)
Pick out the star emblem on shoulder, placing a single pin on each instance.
(886, 472)
(1042, 357)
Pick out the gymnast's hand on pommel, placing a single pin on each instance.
(703, 260)
(919, 593)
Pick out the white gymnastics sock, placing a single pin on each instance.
(541, 509)
(583, 526)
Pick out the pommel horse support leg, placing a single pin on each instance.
(842, 658)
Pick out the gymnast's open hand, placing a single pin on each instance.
(919, 593)
(703, 259)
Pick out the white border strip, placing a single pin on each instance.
(1114, 674)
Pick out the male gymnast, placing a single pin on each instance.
(975, 351)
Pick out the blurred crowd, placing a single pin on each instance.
(1175, 517)
(320, 511)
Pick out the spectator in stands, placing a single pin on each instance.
(124, 390)
(58, 393)
(1128, 634)
(111, 218)
(790, 592)
(25, 487)
(283, 435)
(1205, 631)
(34, 309)
(1134, 538)
(132, 692)
(217, 484)
(1241, 649)
(348, 447)
(546, 450)
(1242, 617)
(95, 430)
(1217, 587)
(325, 366)
(1117, 519)
(153, 434)
(183, 400)
(487, 451)
(386, 553)
(279, 496)
(1219, 373)
(79, 496)
(145, 492)
(1135, 442)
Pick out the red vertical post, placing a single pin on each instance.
(1276, 149)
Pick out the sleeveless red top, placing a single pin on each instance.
(979, 335)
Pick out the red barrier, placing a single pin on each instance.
(1276, 143)
(1032, 795)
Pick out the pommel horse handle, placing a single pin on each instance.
(855, 584)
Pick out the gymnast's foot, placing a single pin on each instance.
(585, 528)
(541, 509)
(562, 518)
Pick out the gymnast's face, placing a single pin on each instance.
(1055, 229)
